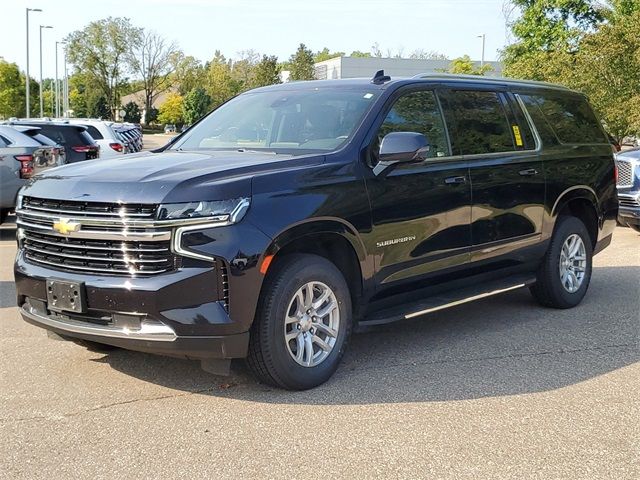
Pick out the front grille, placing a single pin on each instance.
(113, 239)
(629, 202)
(625, 173)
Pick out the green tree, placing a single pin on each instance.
(359, 54)
(267, 72)
(98, 108)
(188, 73)
(151, 116)
(196, 105)
(132, 112)
(150, 58)
(171, 109)
(301, 64)
(12, 90)
(220, 85)
(100, 50)
(464, 65)
(326, 54)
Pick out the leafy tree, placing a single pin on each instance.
(98, 107)
(100, 50)
(301, 64)
(267, 72)
(464, 65)
(220, 85)
(132, 112)
(243, 70)
(151, 116)
(12, 90)
(150, 57)
(326, 54)
(188, 72)
(359, 54)
(171, 109)
(422, 54)
(196, 105)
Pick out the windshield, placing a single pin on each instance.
(294, 121)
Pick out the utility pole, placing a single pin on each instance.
(59, 88)
(42, 99)
(27, 112)
(483, 37)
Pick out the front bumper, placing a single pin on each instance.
(178, 314)
(629, 210)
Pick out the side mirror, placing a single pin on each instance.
(401, 147)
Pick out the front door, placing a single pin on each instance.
(420, 211)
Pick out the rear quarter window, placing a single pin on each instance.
(93, 131)
(569, 117)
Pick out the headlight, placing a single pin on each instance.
(231, 211)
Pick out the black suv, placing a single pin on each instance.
(294, 213)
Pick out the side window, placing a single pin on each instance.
(482, 124)
(54, 134)
(546, 133)
(93, 131)
(570, 116)
(417, 112)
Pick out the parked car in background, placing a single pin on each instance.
(350, 203)
(184, 127)
(21, 157)
(131, 134)
(169, 128)
(628, 164)
(78, 144)
(104, 135)
(58, 152)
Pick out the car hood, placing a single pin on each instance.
(169, 176)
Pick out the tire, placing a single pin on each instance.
(550, 290)
(271, 357)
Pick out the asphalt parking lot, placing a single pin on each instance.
(497, 389)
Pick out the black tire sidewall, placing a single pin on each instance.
(568, 226)
(296, 273)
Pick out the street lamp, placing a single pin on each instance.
(483, 37)
(41, 99)
(57, 85)
(28, 82)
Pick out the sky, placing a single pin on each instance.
(273, 27)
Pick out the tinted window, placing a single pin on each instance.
(64, 135)
(570, 117)
(546, 133)
(93, 131)
(418, 112)
(482, 125)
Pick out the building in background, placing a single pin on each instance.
(365, 67)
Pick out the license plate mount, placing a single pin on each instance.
(66, 296)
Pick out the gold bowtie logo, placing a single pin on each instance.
(65, 227)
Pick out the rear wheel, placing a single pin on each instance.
(302, 324)
(565, 273)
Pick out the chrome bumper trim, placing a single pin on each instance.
(153, 332)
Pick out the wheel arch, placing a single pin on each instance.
(580, 202)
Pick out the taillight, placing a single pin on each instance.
(117, 147)
(82, 148)
(26, 165)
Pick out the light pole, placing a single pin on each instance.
(57, 84)
(65, 86)
(28, 82)
(42, 99)
(483, 37)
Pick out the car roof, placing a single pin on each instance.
(37, 122)
(420, 78)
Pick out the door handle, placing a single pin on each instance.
(454, 180)
(528, 172)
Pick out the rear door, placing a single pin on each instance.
(506, 172)
(420, 211)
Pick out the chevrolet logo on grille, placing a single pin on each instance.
(65, 226)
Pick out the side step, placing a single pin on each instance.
(447, 300)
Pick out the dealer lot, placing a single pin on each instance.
(501, 388)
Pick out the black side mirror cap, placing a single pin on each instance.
(401, 147)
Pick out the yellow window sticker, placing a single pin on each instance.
(516, 133)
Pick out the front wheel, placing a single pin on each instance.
(564, 275)
(302, 324)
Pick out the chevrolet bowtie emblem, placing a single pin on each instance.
(65, 226)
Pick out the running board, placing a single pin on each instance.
(447, 300)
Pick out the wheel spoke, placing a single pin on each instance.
(308, 350)
(327, 309)
(321, 299)
(299, 301)
(326, 329)
(309, 295)
(291, 335)
(321, 343)
(300, 349)
(288, 319)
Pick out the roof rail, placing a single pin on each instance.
(482, 78)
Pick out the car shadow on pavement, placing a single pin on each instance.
(7, 294)
(506, 345)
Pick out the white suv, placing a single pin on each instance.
(103, 134)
